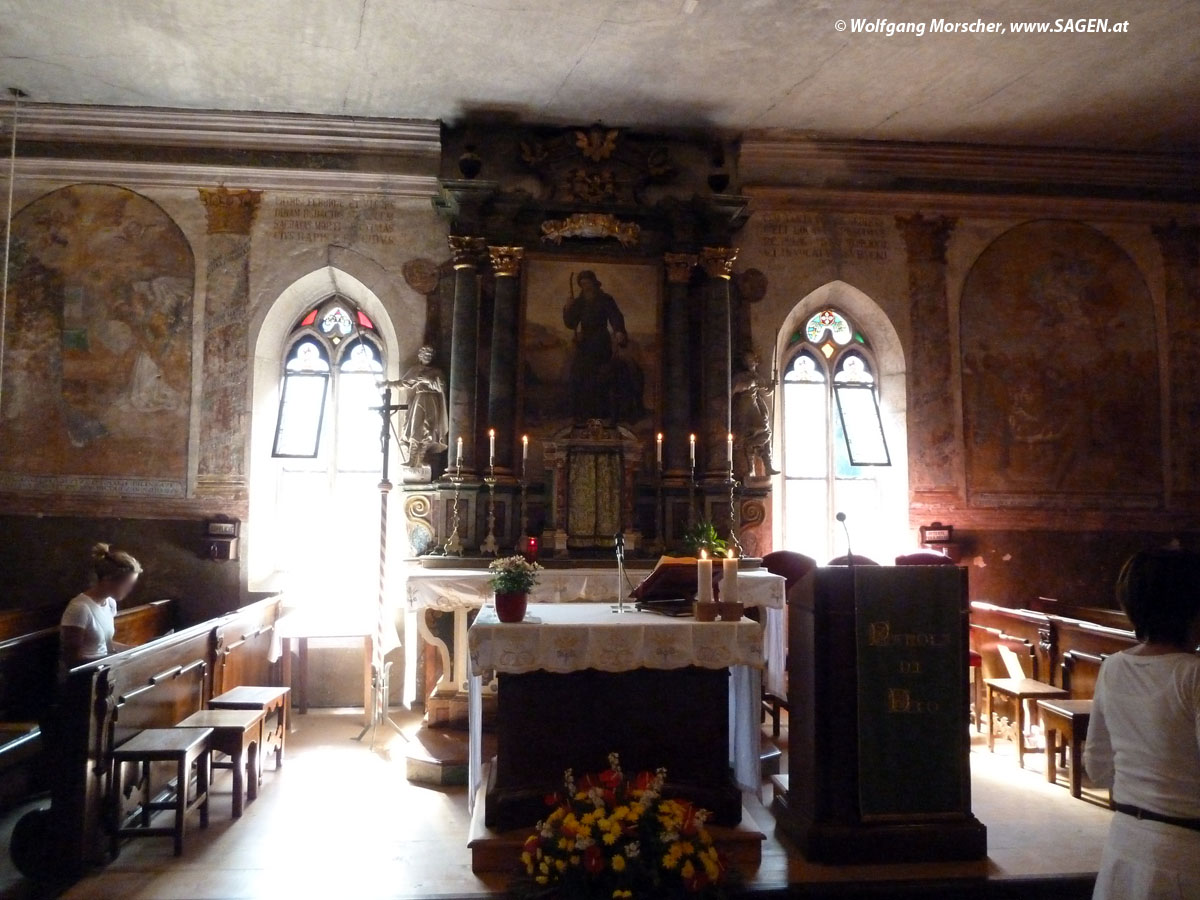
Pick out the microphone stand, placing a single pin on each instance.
(619, 543)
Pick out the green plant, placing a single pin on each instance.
(703, 536)
(513, 575)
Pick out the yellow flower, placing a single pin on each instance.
(618, 863)
(711, 870)
(688, 870)
(573, 859)
(560, 865)
(670, 861)
(618, 894)
(610, 837)
(542, 879)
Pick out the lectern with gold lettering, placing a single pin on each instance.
(878, 766)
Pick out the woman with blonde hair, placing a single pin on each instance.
(88, 622)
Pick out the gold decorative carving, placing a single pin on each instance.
(679, 266)
(506, 261)
(597, 143)
(718, 261)
(230, 212)
(467, 250)
(591, 225)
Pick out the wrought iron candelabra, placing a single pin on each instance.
(489, 545)
(453, 546)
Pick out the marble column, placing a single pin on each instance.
(464, 350)
(225, 373)
(717, 353)
(1180, 246)
(677, 352)
(502, 397)
(933, 457)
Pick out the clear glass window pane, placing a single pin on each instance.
(301, 413)
(806, 517)
(858, 412)
(359, 424)
(805, 447)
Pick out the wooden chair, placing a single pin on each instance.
(791, 566)
(187, 748)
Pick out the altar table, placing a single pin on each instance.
(691, 688)
(460, 590)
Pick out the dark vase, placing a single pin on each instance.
(510, 607)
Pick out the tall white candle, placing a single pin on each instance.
(492, 448)
(729, 450)
(692, 449)
(704, 578)
(729, 578)
(524, 453)
(458, 454)
(658, 449)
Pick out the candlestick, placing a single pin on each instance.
(458, 454)
(704, 592)
(658, 449)
(491, 448)
(524, 452)
(729, 578)
(729, 450)
(692, 449)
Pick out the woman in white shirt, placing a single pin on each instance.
(87, 625)
(1144, 736)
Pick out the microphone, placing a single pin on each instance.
(841, 517)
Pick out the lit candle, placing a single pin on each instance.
(491, 448)
(729, 578)
(658, 449)
(524, 453)
(729, 450)
(458, 454)
(704, 578)
(692, 449)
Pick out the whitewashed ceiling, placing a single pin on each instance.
(732, 64)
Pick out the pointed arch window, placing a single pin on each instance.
(833, 436)
(333, 360)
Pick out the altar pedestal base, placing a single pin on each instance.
(499, 851)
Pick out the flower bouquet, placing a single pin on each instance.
(512, 578)
(609, 836)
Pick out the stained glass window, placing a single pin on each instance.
(302, 401)
(832, 435)
(337, 321)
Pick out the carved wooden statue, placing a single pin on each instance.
(751, 413)
(426, 422)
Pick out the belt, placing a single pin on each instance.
(1138, 813)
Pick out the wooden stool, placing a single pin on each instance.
(185, 749)
(1068, 718)
(237, 733)
(273, 701)
(1020, 690)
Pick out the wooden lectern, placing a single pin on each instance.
(878, 766)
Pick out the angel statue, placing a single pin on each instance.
(751, 414)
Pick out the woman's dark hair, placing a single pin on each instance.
(1160, 592)
(109, 563)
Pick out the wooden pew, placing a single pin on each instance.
(104, 703)
(1079, 673)
(1111, 618)
(1033, 627)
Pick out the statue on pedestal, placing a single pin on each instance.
(425, 426)
(751, 413)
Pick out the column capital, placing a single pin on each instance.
(679, 266)
(925, 239)
(1180, 244)
(230, 212)
(466, 250)
(506, 261)
(718, 261)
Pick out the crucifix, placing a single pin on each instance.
(380, 673)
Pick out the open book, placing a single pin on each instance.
(673, 578)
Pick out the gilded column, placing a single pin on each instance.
(1180, 246)
(502, 396)
(717, 350)
(932, 455)
(677, 350)
(224, 398)
(464, 347)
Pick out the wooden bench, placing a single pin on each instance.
(1066, 724)
(1018, 690)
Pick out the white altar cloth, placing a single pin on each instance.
(454, 590)
(569, 638)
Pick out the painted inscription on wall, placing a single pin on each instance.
(807, 235)
(320, 220)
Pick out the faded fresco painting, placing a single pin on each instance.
(590, 344)
(97, 368)
(1060, 377)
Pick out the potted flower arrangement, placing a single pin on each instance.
(609, 836)
(512, 579)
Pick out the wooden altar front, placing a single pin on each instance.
(592, 468)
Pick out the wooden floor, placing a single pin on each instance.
(341, 821)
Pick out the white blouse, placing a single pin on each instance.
(97, 619)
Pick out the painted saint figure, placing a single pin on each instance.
(751, 413)
(604, 383)
(425, 424)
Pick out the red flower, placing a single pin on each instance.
(610, 779)
(554, 799)
(593, 860)
(532, 843)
